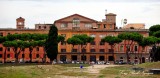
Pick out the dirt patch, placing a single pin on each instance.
(96, 68)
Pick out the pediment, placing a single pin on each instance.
(71, 17)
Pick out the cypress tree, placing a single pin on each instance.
(51, 45)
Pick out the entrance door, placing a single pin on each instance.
(110, 58)
(74, 57)
(63, 58)
(143, 59)
(93, 58)
(101, 58)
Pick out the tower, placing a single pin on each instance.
(20, 22)
(110, 18)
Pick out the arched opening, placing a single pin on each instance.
(121, 59)
(135, 60)
(93, 58)
(143, 59)
(74, 57)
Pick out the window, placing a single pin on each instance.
(37, 55)
(74, 50)
(101, 58)
(93, 43)
(64, 25)
(63, 43)
(45, 27)
(92, 50)
(64, 35)
(101, 50)
(104, 25)
(128, 48)
(121, 59)
(63, 50)
(73, 35)
(110, 26)
(23, 49)
(110, 35)
(1, 34)
(110, 58)
(39, 27)
(8, 49)
(92, 58)
(1, 49)
(83, 50)
(22, 55)
(98, 25)
(135, 48)
(111, 50)
(93, 35)
(121, 48)
(37, 48)
(101, 36)
(63, 57)
(102, 43)
(83, 58)
(74, 57)
(9, 33)
(76, 22)
(8, 55)
(0, 55)
(88, 25)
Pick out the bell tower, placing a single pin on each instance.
(20, 23)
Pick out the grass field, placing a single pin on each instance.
(73, 71)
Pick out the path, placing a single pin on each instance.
(96, 68)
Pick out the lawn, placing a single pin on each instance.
(73, 71)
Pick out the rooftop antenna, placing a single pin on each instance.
(106, 11)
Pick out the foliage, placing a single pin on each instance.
(82, 39)
(60, 38)
(74, 41)
(157, 34)
(2, 39)
(134, 36)
(51, 45)
(154, 29)
(111, 40)
(148, 41)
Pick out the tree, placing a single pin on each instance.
(154, 29)
(60, 38)
(129, 39)
(51, 45)
(17, 47)
(2, 40)
(112, 40)
(81, 40)
(41, 43)
(146, 41)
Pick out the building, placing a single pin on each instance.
(43, 26)
(96, 51)
(134, 26)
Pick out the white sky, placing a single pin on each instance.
(47, 11)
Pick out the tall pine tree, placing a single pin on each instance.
(51, 45)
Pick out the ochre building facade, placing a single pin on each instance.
(69, 26)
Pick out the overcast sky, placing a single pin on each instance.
(47, 11)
